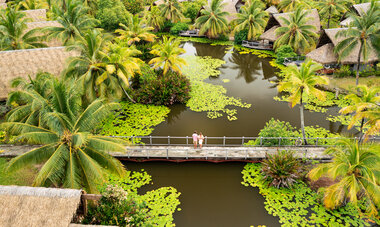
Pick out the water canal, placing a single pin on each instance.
(249, 79)
(211, 194)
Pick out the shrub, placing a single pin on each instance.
(223, 37)
(281, 169)
(343, 71)
(145, 48)
(370, 71)
(167, 25)
(133, 6)
(111, 13)
(190, 9)
(165, 90)
(240, 36)
(178, 27)
(276, 128)
(284, 51)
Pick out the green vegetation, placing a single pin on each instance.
(301, 205)
(22, 177)
(213, 20)
(171, 11)
(135, 31)
(111, 13)
(120, 200)
(331, 8)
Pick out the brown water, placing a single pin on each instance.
(211, 194)
(249, 80)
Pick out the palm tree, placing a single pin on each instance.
(33, 4)
(373, 123)
(168, 51)
(213, 21)
(30, 99)
(366, 99)
(171, 10)
(357, 167)
(252, 18)
(301, 82)
(135, 31)
(363, 32)
(153, 18)
(74, 21)
(291, 5)
(14, 34)
(331, 8)
(296, 32)
(72, 157)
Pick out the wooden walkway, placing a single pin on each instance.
(188, 153)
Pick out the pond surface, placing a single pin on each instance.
(211, 194)
(249, 78)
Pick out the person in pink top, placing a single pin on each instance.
(195, 139)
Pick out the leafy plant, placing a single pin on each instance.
(111, 13)
(240, 36)
(133, 6)
(281, 169)
(178, 27)
(284, 51)
(276, 128)
(343, 71)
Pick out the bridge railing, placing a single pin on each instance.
(225, 141)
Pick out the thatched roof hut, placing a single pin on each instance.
(359, 9)
(33, 206)
(44, 24)
(325, 50)
(36, 14)
(21, 63)
(272, 10)
(275, 21)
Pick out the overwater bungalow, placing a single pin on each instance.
(28, 62)
(358, 9)
(324, 53)
(275, 22)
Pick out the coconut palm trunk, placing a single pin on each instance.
(358, 65)
(328, 19)
(302, 120)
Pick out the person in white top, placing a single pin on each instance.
(195, 139)
(200, 139)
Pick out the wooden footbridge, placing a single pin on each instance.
(215, 149)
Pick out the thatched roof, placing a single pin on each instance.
(326, 51)
(312, 14)
(36, 14)
(3, 5)
(270, 34)
(21, 63)
(361, 8)
(43, 24)
(33, 206)
(3, 1)
(346, 22)
(272, 10)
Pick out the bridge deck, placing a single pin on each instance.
(189, 153)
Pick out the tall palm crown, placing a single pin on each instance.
(357, 168)
(135, 31)
(363, 32)
(74, 20)
(171, 10)
(154, 18)
(253, 18)
(213, 21)
(290, 5)
(367, 99)
(33, 4)
(168, 51)
(301, 82)
(373, 123)
(331, 8)
(14, 34)
(30, 99)
(72, 157)
(296, 32)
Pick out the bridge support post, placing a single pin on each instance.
(150, 140)
(224, 141)
(167, 153)
(242, 141)
(187, 140)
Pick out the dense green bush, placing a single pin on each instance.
(110, 13)
(167, 26)
(178, 27)
(284, 51)
(223, 37)
(190, 9)
(343, 71)
(281, 169)
(240, 36)
(370, 71)
(133, 6)
(165, 90)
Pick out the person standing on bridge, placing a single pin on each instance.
(195, 139)
(200, 139)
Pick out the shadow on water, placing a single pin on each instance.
(211, 194)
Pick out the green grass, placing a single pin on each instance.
(22, 177)
(348, 83)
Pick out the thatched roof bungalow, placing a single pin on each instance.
(21, 63)
(33, 206)
(44, 24)
(359, 9)
(324, 53)
(36, 14)
(272, 10)
(275, 21)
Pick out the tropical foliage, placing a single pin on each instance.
(135, 32)
(171, 10)
(356, 167)
(213, 20)
(291, 5)
(302, 81)
(253, 18)
(331, 8)
(296, 32)
(153, 18)
(14, 33)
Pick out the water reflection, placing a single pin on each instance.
(175, 113)
(204, 49)
(248, 68)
